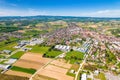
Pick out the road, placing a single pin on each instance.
(45, 65)
(81, 65)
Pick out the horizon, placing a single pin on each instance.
(76, 8)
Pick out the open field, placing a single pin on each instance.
(40, 77)
(56, 70)
(17, 55)
(26, 70)
(61, 64)
(16, 73)
(39, 49)
(29, 61)
(52, 54)
(8, 46)
(11, 77)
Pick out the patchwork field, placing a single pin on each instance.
(56, 70)
(28, 61)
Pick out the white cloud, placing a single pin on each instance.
(33, 12)
(104, 13)
(28, 12)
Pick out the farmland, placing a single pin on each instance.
(27, 64)
(17, 55)
(26, 70)
(39, 49)
(52, 54)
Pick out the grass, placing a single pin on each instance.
(70, 74)
(17, 55)
(52, 53)
(8, 46)
(101, 76)
(39, 49)
(1, 56)
(26, 70)
(74, 56)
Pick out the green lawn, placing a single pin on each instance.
(17, 55)
(39, 49)
(74, 56)
(26, 70)
(52, 53)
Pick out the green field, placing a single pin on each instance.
(7, 46)
(52, 54)
(39, 49)
(17, 55)
(26, 70)
(74, 56)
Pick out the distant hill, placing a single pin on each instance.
(54, 18)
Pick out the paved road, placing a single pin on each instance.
(45, 66)
(81, 65)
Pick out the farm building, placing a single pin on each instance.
(63, 48)
(7, 51)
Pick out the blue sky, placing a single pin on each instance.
(94, 8)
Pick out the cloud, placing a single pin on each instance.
(28, 12)
(104, 13)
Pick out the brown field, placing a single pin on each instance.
(61, 64)
(57, 70)
(29, 60)
(16, 73)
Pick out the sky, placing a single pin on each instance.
(82, 8)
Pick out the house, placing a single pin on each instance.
(7, 51)
(84, 76)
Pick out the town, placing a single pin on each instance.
(69, 52)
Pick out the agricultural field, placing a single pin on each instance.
(56, 70)
(28, 64)
(39, 49)
(52, 54)
(11, 77)
(26, 70)
(17, 55)
(9, 46)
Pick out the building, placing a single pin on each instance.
(84, 76)
(10, 61)
(4, 67)
(7, 51)
(63, 48)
